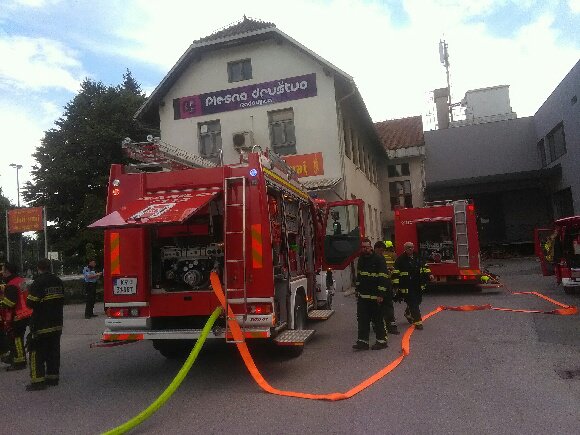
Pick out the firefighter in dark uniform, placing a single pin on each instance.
(371, 288)
(46, 298)
(15, 316)
(410, 278)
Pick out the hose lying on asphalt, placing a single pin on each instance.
(565, 310)
(148, 412)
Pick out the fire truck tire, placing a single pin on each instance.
(174, 349)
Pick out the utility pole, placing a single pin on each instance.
(18, 167)
(444, 59)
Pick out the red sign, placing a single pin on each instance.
(21, 220)
(306, 165)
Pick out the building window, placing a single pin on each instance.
(347, 141)
(239, 70)
(556, 142)
(210, 139)
(355, 152)
(282, 136)
(400, 193)
(542, 153)
(398, 170)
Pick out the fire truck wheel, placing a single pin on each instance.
(174, 349)
(300, 312)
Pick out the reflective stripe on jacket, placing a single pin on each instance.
(410, 274)
(372, 276)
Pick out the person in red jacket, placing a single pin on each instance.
(15, 315)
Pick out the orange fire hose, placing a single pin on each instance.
(565, 310)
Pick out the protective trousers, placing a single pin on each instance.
(413, 300)
(44, 357)
(368, 311)
(16, 341)
(388, 310)
(91, 294)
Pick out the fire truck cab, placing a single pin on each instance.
(445, 235)
(253, 222)
(558, 249)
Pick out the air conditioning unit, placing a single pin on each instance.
(243, 140)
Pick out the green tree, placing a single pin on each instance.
(73, 161)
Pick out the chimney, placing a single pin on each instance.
(441, 98)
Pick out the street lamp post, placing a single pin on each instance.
(18, 167)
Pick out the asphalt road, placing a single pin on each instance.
(477, 372)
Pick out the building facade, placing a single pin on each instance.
(250, 84)
(403, 181)
(521, 173)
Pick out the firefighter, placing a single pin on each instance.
(46, 298)
(390, 257)
(387, 306)
(410, 277)
(15, 316)
(371, 288)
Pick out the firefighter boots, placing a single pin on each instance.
(379, 345)
(360, 345)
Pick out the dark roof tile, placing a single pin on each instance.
(244, 25)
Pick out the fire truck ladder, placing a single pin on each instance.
(235, 247)
(461, 240)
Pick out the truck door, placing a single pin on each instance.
(541, 236)
(344, 227)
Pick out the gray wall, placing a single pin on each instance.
(559, 108)
(481, 150)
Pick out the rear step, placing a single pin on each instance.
(294, 337)
(320, 314)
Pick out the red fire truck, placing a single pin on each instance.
(445, 235)
(558, 249)
(252, 222)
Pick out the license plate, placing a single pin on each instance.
(125, 286)
(575, 273)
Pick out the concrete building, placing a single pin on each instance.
(251, 84)
(557, 124)
(520, 172)
(404, 180)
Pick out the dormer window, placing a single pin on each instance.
(239, 70)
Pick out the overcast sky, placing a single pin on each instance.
(390, 47)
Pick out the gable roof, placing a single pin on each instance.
(245, 31)
(244, 25)
(401, 133)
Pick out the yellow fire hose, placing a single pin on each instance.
(160, 401)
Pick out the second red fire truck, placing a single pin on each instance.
(252, 222)
(445, 235)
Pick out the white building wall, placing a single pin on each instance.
(314, 118)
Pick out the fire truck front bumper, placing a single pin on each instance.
(179, 334)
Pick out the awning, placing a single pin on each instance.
(434, 219)
(157, 209)
(320, 184)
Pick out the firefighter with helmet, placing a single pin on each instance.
(410, 278)
(15, 316)
(390, 257)
(371, 288)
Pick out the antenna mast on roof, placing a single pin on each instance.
(444, 59)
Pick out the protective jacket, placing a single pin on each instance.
(410, 274)
(390, 258)
(46, 298)
(372, 276)
(14, 301)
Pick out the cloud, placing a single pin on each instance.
(37, 64)
(574, 6)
